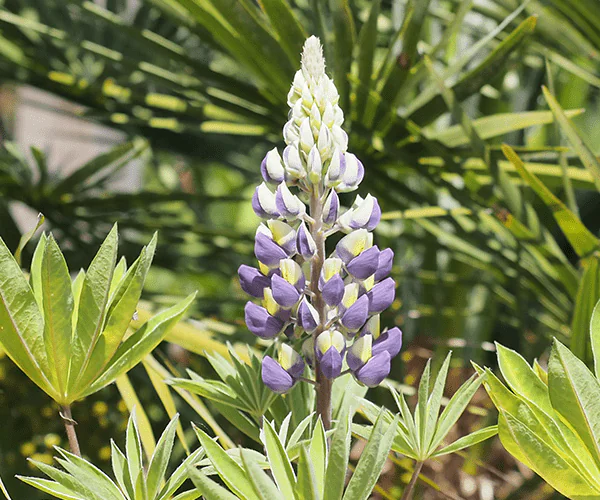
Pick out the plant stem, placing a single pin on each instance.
(70, 424)
(323, 387)
(408, 491)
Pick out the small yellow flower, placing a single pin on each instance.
(100, 408)
(28, 449)
(104, 453)
(51, 440)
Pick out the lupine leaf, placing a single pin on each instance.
(92, 305)
(142, 342)
(22, 324)
(318, 455)
(208, 488)
(469, 440)
(160, 458)
(134, 405)
(280, 463)
(371, 462)
(263, 485)
(337, 461)
(575, 395)
(229, 471)
(595, 338)
(307, 485)
(58, 309)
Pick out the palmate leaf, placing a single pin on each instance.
(133, 480)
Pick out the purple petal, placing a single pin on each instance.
(381, 296)
(365, 264)
(267, 251)
(375, 216)
(375, 370)
(390, 341)
(260, 322)
(331, 363)
(354, 362)
(331, 208)
(306, 317)
(256, 206)
(275, 377)
(283, 314)
(305, 243)
(356, 315)
(386, 259)
(333, 290)
(297, 369)
(284, 293)
(252, 281)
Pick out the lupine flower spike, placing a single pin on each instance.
(327, 304)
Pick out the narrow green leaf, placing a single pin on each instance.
(207, 487)
(435, 400)
(263, 485)
(337, 462)
(134, 405)
(469, 440)
(371, 461)
(279, 460)
(588, 294)
(534, 452)
(307, 486)
(227, 468)
(421, 414)
(57, 302)
(21, 324)
(318, 455)
(344, 33)
(595, 338)
(575, 395)
(367, 42)
(26, 238)
(286, 24)
(579, 146)
(141, 343)
(92, 305)
(133, 449)
(521, 378)
(582, 240)
(51, 487)
(160, 458)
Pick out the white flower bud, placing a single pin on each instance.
(293, 163)
(313, 64)
(328, 115)
(290, 132)
(340, 138)
(307, 140)
(336, 169)
(324, 143)
(315, 166)
(288, 204)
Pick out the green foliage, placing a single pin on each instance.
(550, 421)
(69, 337)
(320, 472)
(421, 435)
(133, 480)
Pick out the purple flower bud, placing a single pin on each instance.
(271, 167)
(331, 363)
(284, 293)
(353, 175)
(305, 243)
(275, 377)
(365, 264)
(308, 317)
(390, 341)
(381, 296)
(386, 259)
(355, 316)
(288, 205)
(267, 251)
(360, 352)
(375, 370)
(283, 234)
(264, 203)
(333, 290)
(252, 281)
(329, 350)
(331, 208)
(260, 322)
(291, 361)
(353, 244)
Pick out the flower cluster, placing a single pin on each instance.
(328, 305)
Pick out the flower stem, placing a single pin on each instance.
(70, 424)
(323, 387)
(408, 491)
